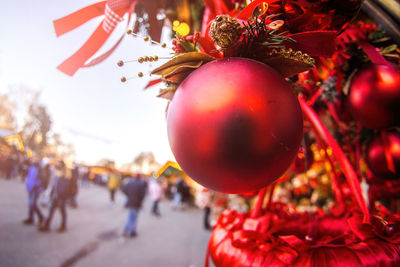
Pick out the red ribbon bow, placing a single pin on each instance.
(113, 11)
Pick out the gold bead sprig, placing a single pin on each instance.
(146, 38)
(125, 79)
(121, 63)
(147, 59)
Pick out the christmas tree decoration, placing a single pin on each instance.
(234, 125)
(383, 156)
(243, 94)
(281, 238)
(225, 31)
(113, 11)
(374, 98)
(147, 16)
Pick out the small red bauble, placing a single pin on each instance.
(234, 125)
(376, 159)
(374, 98)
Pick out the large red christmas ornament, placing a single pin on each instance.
(311, 15)
(234, 125)
(377, 160)
(374, 98)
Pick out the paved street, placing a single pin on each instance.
(176, 239)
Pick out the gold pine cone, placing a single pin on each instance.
(225, 31)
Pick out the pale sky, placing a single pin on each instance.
(93, 101)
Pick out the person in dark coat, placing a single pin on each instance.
(61, 191)
(135, 190)
(74, 187)
(34, 188)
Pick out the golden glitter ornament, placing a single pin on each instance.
(225, 31)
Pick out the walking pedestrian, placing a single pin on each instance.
(113, 184)
(135, 190)
(61, 191)
(72, 200)
(204, 201)
(156, 193)
(34, 188)
(179, 193)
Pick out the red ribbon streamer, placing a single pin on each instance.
(314, 43)
(78, 18)
(259, 203)
(114, 10)
(374, 54)
(347, 169)
(217, 7)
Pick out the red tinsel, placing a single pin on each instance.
(280, 238)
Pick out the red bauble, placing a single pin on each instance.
(311, 15)
(234, 125)
(376, 158)
(374, 98)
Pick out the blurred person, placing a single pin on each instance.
(203, 201)
(24, 167)
(104, 178)
(46, 199)
(34, 188)
(179, 191)
(156, 193)
(113, 183)
(59, 194)
(84, 171)
(135, 190)
(44, 173)
(74, 173)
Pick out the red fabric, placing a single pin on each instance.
(113, 10)
(315, 43)
(336, 241)
(152, 82)
(207, 18)
(347, 169)
(373, 54)
(76, 19)
(218, 7)
(207, 46)
(91, 46)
